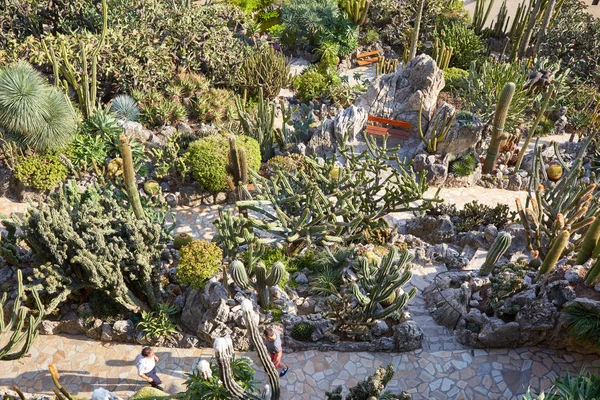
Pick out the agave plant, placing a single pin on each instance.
(125, 107)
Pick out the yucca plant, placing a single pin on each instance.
(584, 324)
(125, 107)
(464, 166)
(32, 112)
(584, 386)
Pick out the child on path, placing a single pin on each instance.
(273, 343)
(146, 366)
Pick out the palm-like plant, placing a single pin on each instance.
(32, 112)
(584, 386)
(203, 387)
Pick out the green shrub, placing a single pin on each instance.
(464, 166)
(41, 172)
(290, 164)
(303, 331)
(456, 79)
(310, 85)
(200, 260)
(584, 386)
(265, 68)
(213, 106)
(213, 389)
(468, 46)
(370, 37)
(150, 393)
(87, 151)
(208, 159)
(583, 324)
(32, 112)
(158, 324)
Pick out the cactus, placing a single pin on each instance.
(22, 336)
(481, 15)
(380, 282)
(60, 392)
(238, 168)
(357, 10)
(86, 87)
(415, 33)
(262, 281)
(531, 132)
(224, 352)
(556, 250)
(129, 178)
(442, 55)
(541, 38)
(260, 127)
(303, 331)
(438, 134)
(500, 25)
(386, 66)
(591, 241)
(593, 275)
(181, 240)
(498, 134)
(499, 247)
(518, 28)
(531, 22)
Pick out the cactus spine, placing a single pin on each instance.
(531, 132)
(224, 352)
(262, 280)
(381, 282)
(593, 275)
(357, 10)
(499, 247)
(591, 240)
(556, 250)
(415, 34)
(129, 178)
(498, 133)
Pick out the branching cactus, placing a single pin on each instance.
(224, 352)
(381, 283)
(558, 246)
(498, 133)
(442, 54)
(261, 125)
(60, 392)
(262, 281)
(129, 178)
(499, 247)
(357, 10)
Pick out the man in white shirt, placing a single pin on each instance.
(146, 366)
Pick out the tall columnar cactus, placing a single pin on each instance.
(60, 392)
(24, 330)
(224, 352)
(261, 125)
(381, 282)
(438, 133)
(591, 241)
(415, 33)
(593, 275)
(238, 168)
(499, 247)
(531, 22)
(558, 246)
(357, 10)
(442, 55)
(498, 133)
(262, 281)
(531, 132)
(481, 15)
(386, 66)
(129, 178)
(86, 86)
(541, 38)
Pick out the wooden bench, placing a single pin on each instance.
(369, 57)
(392, 132)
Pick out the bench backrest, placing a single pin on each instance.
(400, 124)
(369, 53)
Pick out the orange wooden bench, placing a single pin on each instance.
(392, 132)
(369, 57)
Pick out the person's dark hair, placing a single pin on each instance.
(146, 351)
(269, 331)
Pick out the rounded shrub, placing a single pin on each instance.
(265, 68)
(467, 45)
(199, 261)
(41, 172)
(303, 331)
(289, 164)
(455, 78)
(208, 159)
(310, 85)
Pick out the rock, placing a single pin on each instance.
(400, 95)
(124, 331)
(172, 199)
(575, 273)
(221, 313)
(85, 310)
(380, 328)
(534, 319)
(465, 132)
(48, 327)
(435, 168)
(432, 229)
(350, 121)
(497, 333)
(193, 311)
(6, 274)
(213, 292)
(190, 196)
(308, 305)
(515, 182)
(103, 394)
(301, 278)
(463, 181)
(447, 299)
(519, 238)
(408, 336)
(136, 130)
(184, 128)
(106, 335)
(322, 142)
(490, 232)
(95, 331)
(560, 292)
(71, 324)
(209, 330)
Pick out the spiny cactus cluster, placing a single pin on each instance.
(224, 352)
(91, 240)
(326, 203)
(302, 331)
(357, 10)
(261, 125)
(257, 270)
(380, 282)
(386, 66)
